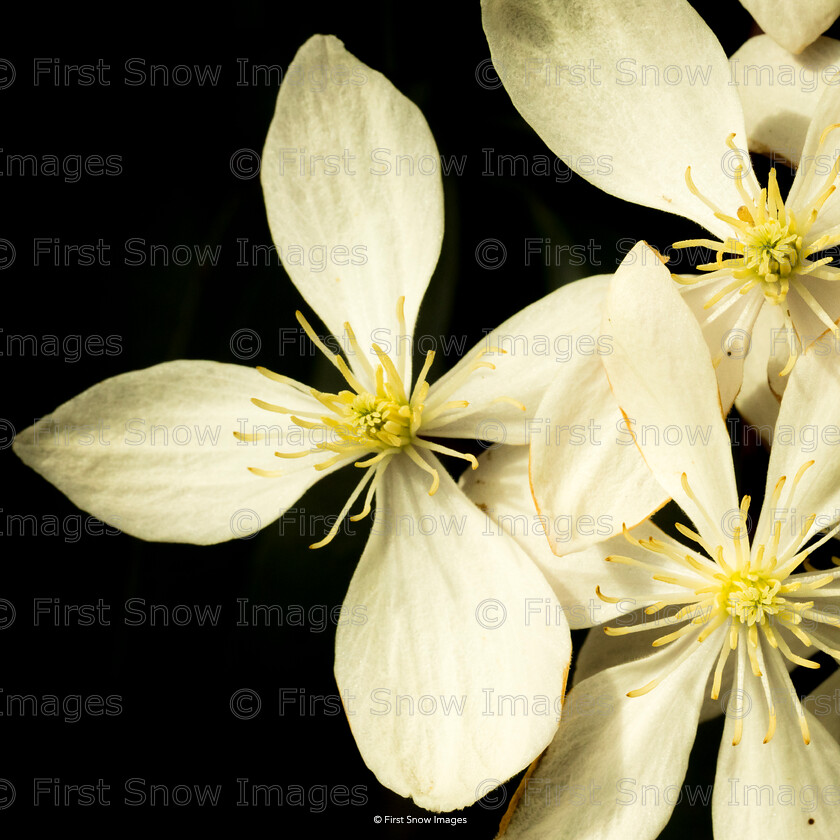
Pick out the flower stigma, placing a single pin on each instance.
(770, 247)
(747, 589)
(376, 419)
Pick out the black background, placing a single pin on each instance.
(176, 187)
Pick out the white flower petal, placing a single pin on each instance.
(357, 228)
(662, 376)
(592, 479)
(782, 788)
(815, 165)
(822, 703)
(585, 468)
(553, 340)
(600, 652)
(447, 619)
(618, 101)
(153, 451)
(609, 746)
(808, 429)
(726, 326)
(501, 489)
(780, 91)
(756, 401)
(791, 23)
(809, 326)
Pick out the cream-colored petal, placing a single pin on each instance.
(552, 341)
(628, 95)
(501, 489)
(792, 24)
(448, 628)
(609, 746)
(727, 327)
(809, 326)
(584, 465)
(782, 788)
(662, 376)
(600, 651)
(756, 401)
(352, 184)
(780, 91)
(819, 154)
(807, 430)
(153, 452)
(822, 703)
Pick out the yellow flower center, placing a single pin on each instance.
(369, 413)
(771, 251)
(378, 417)
(742, 586)
(750, 597)
(770, 248)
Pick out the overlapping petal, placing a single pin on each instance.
(553, 342)
(757, 402)
(780, 91)
(727, 327)
(592, 79)
(446, 607)
(792, 24)
(819, 154)
(808, 429)
(584, 464)
(610, 746)
(501, 490)
(662, 376)
(822, 703)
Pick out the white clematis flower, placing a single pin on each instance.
(793, 25)
(675, 144)
(423, 639)
(724, 624)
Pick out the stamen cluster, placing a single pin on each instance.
(772, 247)
(378, 417)
(749, 589)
